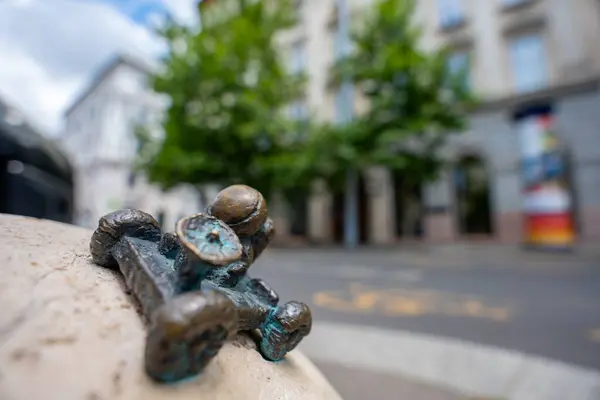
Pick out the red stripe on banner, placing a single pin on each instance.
(550, 229)
(538, 187)
(550, 222)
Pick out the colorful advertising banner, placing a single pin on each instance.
(547, 200)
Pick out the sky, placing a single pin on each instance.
(50, 49)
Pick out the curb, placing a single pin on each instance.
(452, 259)
(469, 368)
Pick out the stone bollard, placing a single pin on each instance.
(68, 330)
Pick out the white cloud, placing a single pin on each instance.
(50, 49)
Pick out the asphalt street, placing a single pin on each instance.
(548, 309)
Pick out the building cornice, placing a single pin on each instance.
(550, 94)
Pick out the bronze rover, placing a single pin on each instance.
(192, 285)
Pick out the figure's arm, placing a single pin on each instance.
(169, 245)
(262, 238)
(230, 275)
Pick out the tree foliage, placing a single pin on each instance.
(228, 89)
(415, 100)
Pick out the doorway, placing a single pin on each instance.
(337, 217)
(472, 193)
(298, 214)
(408, 207)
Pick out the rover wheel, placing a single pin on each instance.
(186, 333)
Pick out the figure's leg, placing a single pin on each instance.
(228, 276)
(263, 291)
(284, 328)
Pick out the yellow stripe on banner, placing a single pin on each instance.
(551, 237)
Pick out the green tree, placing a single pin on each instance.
(228, 89)
(415, 100)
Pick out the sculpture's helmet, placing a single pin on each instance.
(241, 207)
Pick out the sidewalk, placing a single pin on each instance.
(487, 254)
(358, 384)
(373, 363)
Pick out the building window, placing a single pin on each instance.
(458, 63)
(142, 116)
(337, 46)
(343, 103)
(298, 57)
(528, 62)
(513, 3)
(298, 111)
(450, 13)
(131, 178)
(341, 46)
(338, 102)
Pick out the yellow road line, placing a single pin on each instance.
(594, 335)
(358, 298)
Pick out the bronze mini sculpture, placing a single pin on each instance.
(192, 285)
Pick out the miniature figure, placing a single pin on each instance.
(192, 285)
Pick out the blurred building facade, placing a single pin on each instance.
(523, 54)
(100, 139)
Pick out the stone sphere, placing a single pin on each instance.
(241, 207)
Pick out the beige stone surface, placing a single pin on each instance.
(69, 331)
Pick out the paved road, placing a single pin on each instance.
(549, 309)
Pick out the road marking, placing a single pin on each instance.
(594, 335)
(358, 298)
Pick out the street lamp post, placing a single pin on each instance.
(346, 93)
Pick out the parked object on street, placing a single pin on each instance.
(36, 178)
(193, 286)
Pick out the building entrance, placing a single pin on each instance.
(472, 193)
